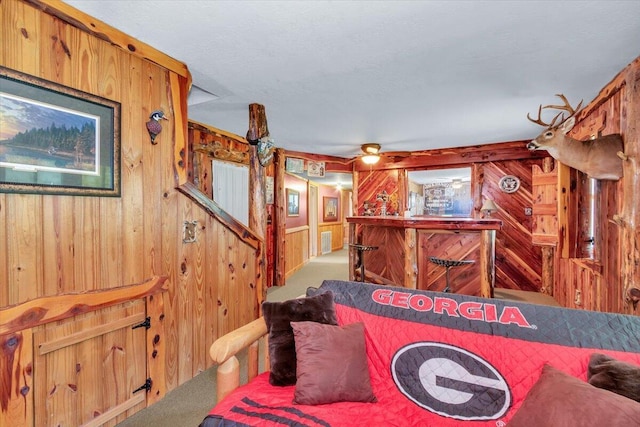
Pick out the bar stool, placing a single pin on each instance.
(447, 264)
(361, 249)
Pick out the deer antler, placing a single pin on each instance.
(566, 107)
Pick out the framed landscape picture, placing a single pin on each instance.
(57, 140)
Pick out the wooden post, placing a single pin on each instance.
(487, 262)
(258, 205)
(630, 215)
(227, 377)
(548, 252)
(410, 258)
(279, 218)
(257, 123)
(352, 252)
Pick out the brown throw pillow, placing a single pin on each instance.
(332, 364)
(278, 317)
(558, 399)
(614, 375)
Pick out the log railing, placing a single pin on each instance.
(225, 349)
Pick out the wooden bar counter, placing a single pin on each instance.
(404, 246)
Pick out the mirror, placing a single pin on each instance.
(440, 192)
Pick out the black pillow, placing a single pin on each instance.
(614, 375)
(278, 317)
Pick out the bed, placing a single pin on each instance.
(435, 359)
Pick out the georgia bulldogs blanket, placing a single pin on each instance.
(442, 360)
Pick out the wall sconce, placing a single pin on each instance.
(153, 125)
(370, 159)
(487, 207)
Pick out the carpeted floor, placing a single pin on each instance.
(189, 403)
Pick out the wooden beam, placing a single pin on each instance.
(105, 32)
(258, 206)
(258, 128)
(331, 163)
(48, 309)
(515, 150)
(279, 217)
(487, 262)
(630, 215)
(245, 234)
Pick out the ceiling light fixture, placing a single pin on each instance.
(456, 183)
(370, 159)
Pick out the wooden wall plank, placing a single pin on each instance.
(4, 261)
(63, 244)
(25, 248)
(16, 361)
(296, 249)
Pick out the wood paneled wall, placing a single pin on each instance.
(605, 282)
(337, 237)
(296, 249)
(57, 245)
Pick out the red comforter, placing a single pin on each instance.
(442, 360)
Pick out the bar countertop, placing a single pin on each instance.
(429, 223)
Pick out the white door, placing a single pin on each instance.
(313, 221)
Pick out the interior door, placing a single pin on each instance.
(313, 221)
(88, 367)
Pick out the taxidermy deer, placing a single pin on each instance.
(599, 158)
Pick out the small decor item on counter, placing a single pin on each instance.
(384, 198)
(369, 208)
(153, 125)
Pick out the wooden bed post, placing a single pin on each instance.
(228, 377)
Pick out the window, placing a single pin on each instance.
(231, 189)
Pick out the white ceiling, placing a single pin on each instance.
(410, 75)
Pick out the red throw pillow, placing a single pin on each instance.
(560, 400)
(331, 364)
(278, 317)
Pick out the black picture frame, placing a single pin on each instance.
(57, 140)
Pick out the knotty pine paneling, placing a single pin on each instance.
(53, 245)
(337, 236)
(518, 261)
(385, 263)
(297, 249)
(464, 279)
(371, 183)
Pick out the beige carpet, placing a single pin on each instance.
(189, 403)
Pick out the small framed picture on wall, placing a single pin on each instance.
(293, 202)
(329, 209)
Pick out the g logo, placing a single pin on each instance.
(450, 381)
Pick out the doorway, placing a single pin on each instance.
(313, 221)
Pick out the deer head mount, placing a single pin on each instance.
(599, 158)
